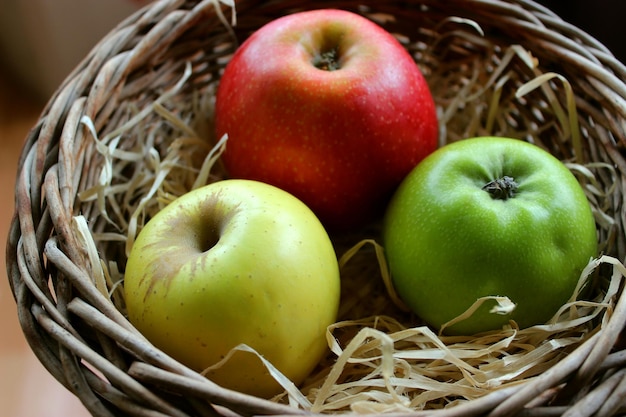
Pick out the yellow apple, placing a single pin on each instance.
(235, 262)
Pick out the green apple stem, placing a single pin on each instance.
(501, 188)
(327, 60)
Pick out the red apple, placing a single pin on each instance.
(329, 106)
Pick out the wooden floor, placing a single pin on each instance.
(26, 388)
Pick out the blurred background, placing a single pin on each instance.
(603, 19)
(41, 41)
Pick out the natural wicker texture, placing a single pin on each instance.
(89, 346)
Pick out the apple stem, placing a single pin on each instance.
(501, 188)
(327, 61)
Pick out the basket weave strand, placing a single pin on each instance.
(87, 344)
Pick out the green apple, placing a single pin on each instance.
(235, 262)
(488, 217)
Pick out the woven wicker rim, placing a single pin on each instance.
(80, 337)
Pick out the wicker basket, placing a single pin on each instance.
(87, 343)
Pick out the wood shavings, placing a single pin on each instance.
(416, 368)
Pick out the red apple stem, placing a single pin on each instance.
(327, 60)
(501, 188)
